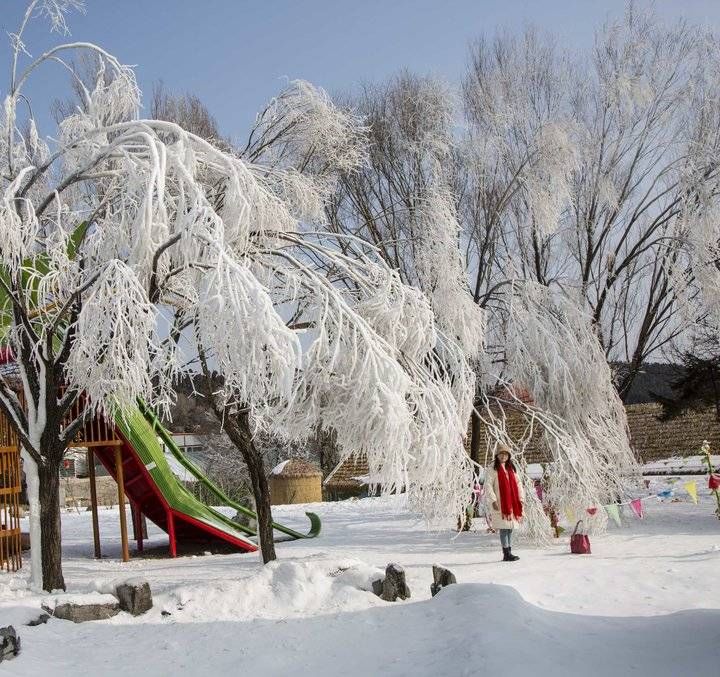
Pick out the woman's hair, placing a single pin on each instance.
(508, 464)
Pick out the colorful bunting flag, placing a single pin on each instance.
(614, 513)
(591, 511)
(714, 482)
(637, 507)
(570, 514)
(539, 491)
(691, 488)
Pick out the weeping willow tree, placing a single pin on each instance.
(191, 253)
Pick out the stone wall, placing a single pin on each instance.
(77, 491)
(651, 438)
(655, 440)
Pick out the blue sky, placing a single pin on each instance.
(235, 54)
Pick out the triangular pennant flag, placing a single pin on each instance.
(591, 511)
(614, 513)
(714, 482)
(539, 491)
(570, 514)
(691, 488)
(637, 507)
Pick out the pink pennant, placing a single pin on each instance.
(591, 511)
(637, 507)
(539, 491)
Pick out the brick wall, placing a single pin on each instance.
(651, 438)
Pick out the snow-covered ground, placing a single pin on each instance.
(646, 602)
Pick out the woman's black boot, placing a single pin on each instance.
(510, 557)
(506, 555)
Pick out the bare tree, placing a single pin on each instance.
(618, 127)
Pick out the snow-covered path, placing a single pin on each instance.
(613, 612)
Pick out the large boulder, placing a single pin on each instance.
(81, 608)
(393, 586)
(9, 643)
(441, 578)
(134, 596)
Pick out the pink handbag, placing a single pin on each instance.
(579, 543)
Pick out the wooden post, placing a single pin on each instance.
(138, 522)
(93, 503)
(121, 503)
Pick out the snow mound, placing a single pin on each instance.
(20, 615)
(278, 590)
(515, 637)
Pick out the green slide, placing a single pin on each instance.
(178, 500)
(151, 420)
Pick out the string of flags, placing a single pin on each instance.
(636, 504)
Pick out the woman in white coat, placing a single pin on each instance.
(505, 499)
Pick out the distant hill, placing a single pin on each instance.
(654, 377)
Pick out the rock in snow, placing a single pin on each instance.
(9, 643)
(40, 619)
(134, 597)
(81, 608)
(441, 578)
(393, 586)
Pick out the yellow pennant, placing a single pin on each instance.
(691, 488)
(570, 514)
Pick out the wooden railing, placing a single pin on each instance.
(97, 432)
(10, 539)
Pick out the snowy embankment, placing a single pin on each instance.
(645, 602)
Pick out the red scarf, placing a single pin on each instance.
(510, 504)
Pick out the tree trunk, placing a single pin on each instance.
(52, 576)
(475, 436)
(238, 429)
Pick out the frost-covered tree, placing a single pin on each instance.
(418, 201)
(131, 246)
(573, 190)
(624, 131)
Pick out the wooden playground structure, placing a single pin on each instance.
(97, 436)
(132, 448)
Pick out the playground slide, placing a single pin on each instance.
(223, 499)
(151, 485)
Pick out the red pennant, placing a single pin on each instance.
(714, 482)
(539, 491)
(637, 507)
(591, 511)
